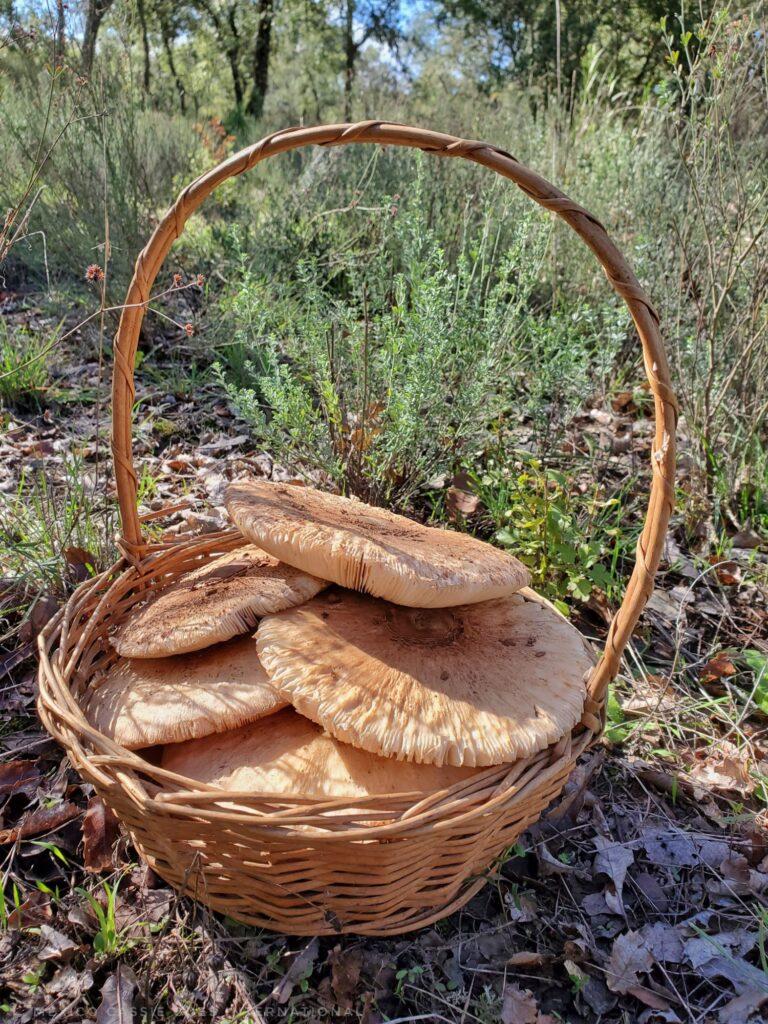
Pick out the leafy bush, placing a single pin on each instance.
(383, 389)
(573, 543)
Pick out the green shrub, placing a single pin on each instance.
(573, 543)
(386, 387)
(99, 161)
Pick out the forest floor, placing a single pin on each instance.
(640, 896)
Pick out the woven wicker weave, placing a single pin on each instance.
(291, 865)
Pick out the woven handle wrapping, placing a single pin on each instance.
(583, 223)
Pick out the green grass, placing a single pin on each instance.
(43, 520)
(107, 939)
(24, 375)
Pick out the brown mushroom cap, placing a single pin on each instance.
(143, 701)
(480, 684)
(289, 755)
(372, 550)
(223, 598)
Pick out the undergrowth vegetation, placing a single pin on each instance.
(23, 370)
(385, 370)
(416, 332)
(325, 264)
(381, 319)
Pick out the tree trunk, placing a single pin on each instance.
(59, 39)
(261, 53)
(237, 81)
(165, 31)
(144, 44)
(93, 19)
(350, 58)
(233, 53)
(230, 44)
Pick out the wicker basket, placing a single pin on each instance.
(302, 866)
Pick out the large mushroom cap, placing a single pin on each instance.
(372, 550)
(223, 598)
(290, 755)
(144, 701)
(480, 684)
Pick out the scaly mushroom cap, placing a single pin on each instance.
(289, 755)
(221, 599)
(372, 550)
(143, 701)
(480, 684)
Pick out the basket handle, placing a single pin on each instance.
(541, 191)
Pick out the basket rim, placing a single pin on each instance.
(78, 628)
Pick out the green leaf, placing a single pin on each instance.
(613, 709)
(52, 848)
(580, 587)
(505, 536)
(567, 553)
(618, 733)
(600, 576)
(618, 728)
(758, 663)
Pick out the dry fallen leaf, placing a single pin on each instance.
(669, 849)
(42, 611)
(528, 958)
(520, 908)
(702, 948)
(598, 998)
(117, 994)
(650, 696)
(728, 573)
(717, 667)
(44, 819)
(19, 777)
(69, 982)
(56, 945)
(297, 969)
(575, 973)
(346, 965)
(460, 503)
(33, 912)
(629, 957)
(518, 1006)
(746, 539)
(100, 830)
(742, 975)
(622, 401)
(605, 419)
(81, 563)
(550, 865)
(742, 1007)
(653, 1000)
(613, 860)
(664, 942)
(723, 769)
